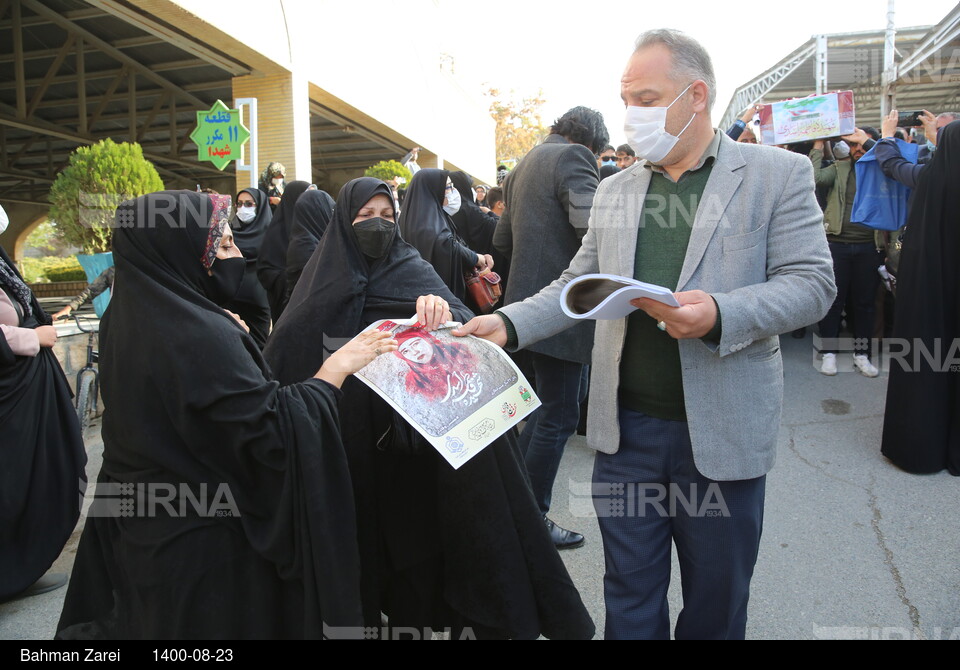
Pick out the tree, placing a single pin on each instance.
(46, 240)
(85, 196)
(519, 124)
(388, 170)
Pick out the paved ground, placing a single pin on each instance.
(852, 546)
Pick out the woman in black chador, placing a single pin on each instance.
(440, 548)
(311, 217)
(249, 225)
(426, 224)
(41, 451)
(223, 508)
(921, 424)
(272, 260)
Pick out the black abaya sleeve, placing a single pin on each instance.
(280, 450)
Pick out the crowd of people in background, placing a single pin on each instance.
(217, 366)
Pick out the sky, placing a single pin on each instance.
(575, 52)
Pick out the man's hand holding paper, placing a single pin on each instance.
(695, 317)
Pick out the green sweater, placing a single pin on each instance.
(650, 376)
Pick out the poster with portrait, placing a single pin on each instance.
(459, 393)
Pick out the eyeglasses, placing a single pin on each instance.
(246, 203)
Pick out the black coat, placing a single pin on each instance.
(548, 197)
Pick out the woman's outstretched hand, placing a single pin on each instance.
(355, 355)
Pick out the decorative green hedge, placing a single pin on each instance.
(52, 269)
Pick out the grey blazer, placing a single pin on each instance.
(758, 247)
(548, 198)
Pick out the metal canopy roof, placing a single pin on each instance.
(75, 72)
(927, 71)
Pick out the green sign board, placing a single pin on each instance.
(219, 135)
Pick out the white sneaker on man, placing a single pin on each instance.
(829, 365)
(863, 364)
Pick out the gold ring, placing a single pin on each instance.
(662, 326)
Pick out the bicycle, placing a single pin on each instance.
(88, 381)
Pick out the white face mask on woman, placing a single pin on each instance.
(4, 221)
(646, 129)
(247, 214)
(453, 202)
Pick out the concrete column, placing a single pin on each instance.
(283, 123)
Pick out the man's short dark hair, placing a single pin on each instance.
(494, 195)
(872, 132)
(609, 147)
(584, 126)
(626, 149)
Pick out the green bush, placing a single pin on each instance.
(86, 193)
(52, 269)
(387, 170)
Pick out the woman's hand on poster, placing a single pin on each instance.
(484, 262)
(489, 327)
(47, 336)
(355, 355)
(432, 312)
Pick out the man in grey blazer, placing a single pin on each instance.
(548, 198)
(686, 402)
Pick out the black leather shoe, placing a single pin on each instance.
(563, 538)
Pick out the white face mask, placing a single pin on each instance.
(247, 214)
(4, 221)
(453, 202)
(646, 129)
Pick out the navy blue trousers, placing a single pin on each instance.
(561, 386)
(649, 496)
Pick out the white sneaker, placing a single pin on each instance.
(863, 364)
(829, 365)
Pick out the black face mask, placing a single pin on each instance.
(224, 284)
(375, 236)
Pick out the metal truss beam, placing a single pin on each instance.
(756, 89)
